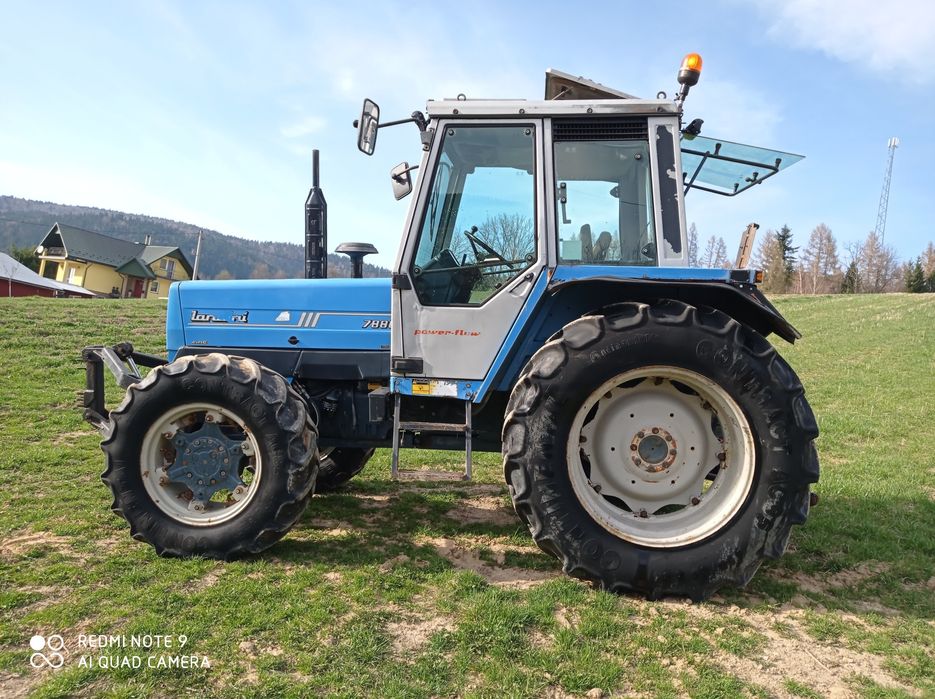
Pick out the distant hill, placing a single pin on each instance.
(24, 222)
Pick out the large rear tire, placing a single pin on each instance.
(660, 449)
(339, 465)
(212, 456)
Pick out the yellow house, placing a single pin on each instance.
(110, 266)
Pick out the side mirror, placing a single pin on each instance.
(402, 180)
(367, 127)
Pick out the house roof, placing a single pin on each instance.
(97, 247)
(135, 267)
(11, 269)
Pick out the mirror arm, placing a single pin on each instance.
(398, 176)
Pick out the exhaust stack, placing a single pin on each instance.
(316, 228)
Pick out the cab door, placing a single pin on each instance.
(474, 251)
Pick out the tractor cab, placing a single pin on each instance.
(519, 197)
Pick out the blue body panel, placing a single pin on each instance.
(564, 273)
(354, 314)
(349, 314)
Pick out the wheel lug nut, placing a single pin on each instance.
(640, 434)
(722, 456)
(189, 475)
(655, 430)
(637, 461)
(695, 500)
(632, 447)
(672, 452)
(644, 514)
(582, 439)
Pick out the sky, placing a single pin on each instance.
(207, 112)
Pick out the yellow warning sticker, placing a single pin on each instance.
(421, 388)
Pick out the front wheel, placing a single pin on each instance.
(210, 456)
(660, 449)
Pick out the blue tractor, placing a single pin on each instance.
(541, 306)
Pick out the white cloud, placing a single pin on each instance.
(892, 38)
(303, 127)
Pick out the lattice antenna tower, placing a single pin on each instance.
(891, 146)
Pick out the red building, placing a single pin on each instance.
(18, 280)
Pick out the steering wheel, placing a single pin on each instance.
(477, 242)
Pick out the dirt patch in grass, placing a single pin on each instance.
(849, 577)
(792, 654)
(412, 634)
(71, 438)
(24, 543)
(18, 686)
(502, 576)
(484, 509)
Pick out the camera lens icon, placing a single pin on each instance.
(53, 644)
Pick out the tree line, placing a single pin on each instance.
(868, 266)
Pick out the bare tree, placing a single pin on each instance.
(720, 254)
(692, 246)
(511, 235)
(819, 266)
(879, 269)
(928, 260)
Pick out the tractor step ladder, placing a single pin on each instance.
(409, 426)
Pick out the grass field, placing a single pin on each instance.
(428, 589)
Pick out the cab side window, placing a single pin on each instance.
(478, 230)
(604, 193)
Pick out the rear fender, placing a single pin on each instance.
(741, 301)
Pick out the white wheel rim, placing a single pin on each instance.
(647, 463)
(175, 499)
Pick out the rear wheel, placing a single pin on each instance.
(210, 456)
(337, 465)
(660, 449)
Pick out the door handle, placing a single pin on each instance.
(525, 279)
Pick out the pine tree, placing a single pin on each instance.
(784, 237)
(915, 277)
(850, 284)
(692, 246)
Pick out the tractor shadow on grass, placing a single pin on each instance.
(863, 556)
(466, 527)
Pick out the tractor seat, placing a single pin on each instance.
(601, 247)
(586, 243)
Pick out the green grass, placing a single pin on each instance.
(381, 591)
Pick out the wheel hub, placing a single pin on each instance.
(206, 461)
(654, 450)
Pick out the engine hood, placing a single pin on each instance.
(297, 314)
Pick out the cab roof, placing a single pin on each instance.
(565, 95)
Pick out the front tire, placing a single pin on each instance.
(662, 449)
(212, 456)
